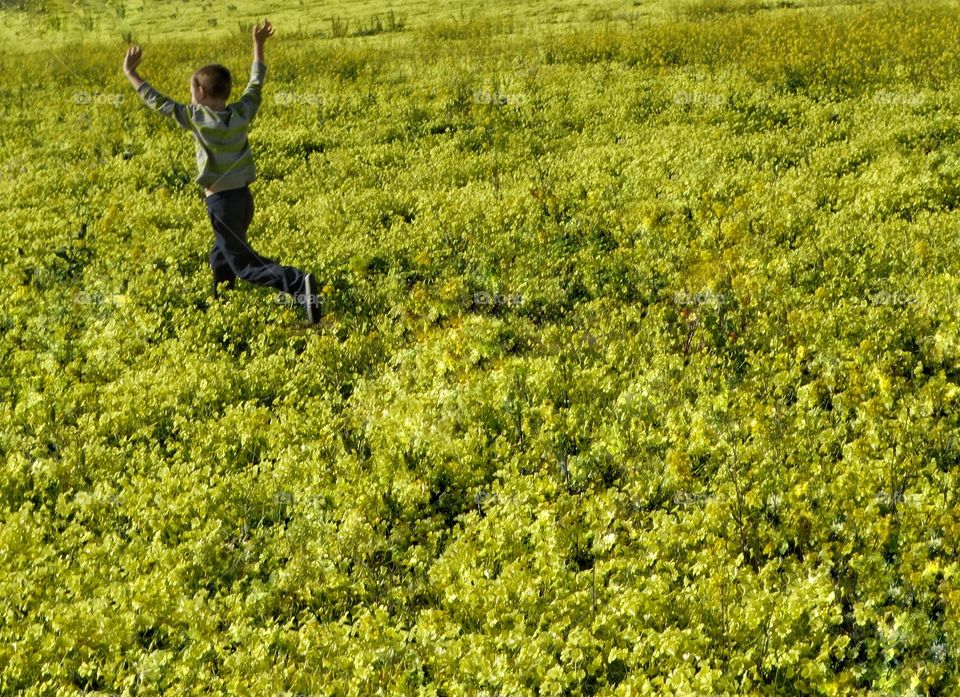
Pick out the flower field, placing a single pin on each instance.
(639, 372)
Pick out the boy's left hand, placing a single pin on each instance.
(132, 59)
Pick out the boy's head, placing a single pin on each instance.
(210, 85)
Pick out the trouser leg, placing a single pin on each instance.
(231, 213)
(222, 273)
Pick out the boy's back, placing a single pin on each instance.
(224, 159)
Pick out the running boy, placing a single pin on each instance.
(226, 167)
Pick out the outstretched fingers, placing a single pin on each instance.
(132, 59)
(262, 32)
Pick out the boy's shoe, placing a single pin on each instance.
(310, 300)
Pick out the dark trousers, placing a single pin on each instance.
(232, 257)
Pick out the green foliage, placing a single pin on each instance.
(638, 372)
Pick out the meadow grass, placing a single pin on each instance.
(638, 372)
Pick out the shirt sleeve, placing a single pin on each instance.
(165, 105)
(249, 101)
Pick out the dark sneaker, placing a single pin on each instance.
(310, 299)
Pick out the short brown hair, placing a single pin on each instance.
(215, 80)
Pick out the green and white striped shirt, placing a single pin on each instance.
(224, 159)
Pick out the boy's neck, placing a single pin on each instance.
(215, 104)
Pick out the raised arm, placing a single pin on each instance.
(152, 98)
(249, 101)
(130, 63)
(260, 36)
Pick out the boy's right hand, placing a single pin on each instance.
(132, 59)
(262, 33)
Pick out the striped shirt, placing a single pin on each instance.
(224, 159)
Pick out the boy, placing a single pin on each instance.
(226, 167)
